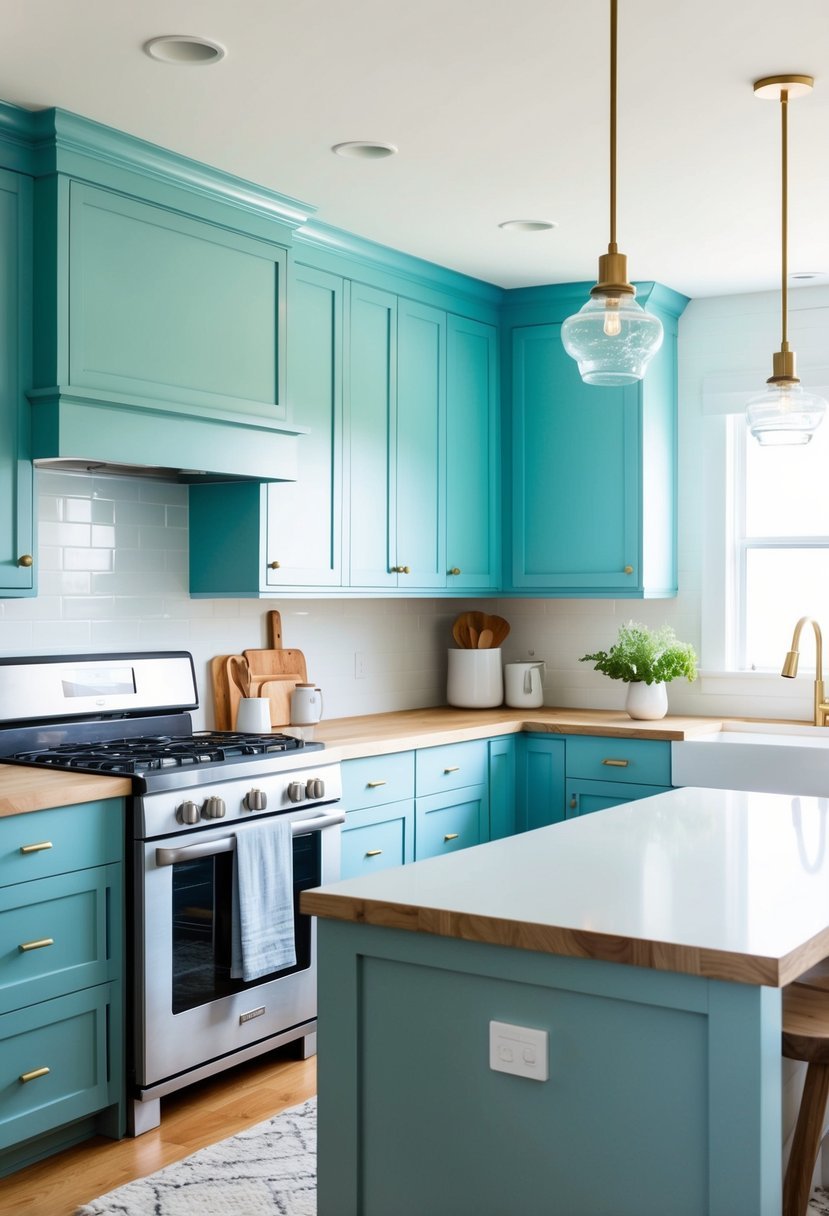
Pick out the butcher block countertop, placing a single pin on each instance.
(379, 734)
(25, 789)
(714, 883)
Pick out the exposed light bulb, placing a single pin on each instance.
(612, 320)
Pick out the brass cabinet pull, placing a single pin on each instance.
(373, 785)
(455, 768)
(33, 1075)
(38, 945)
(273, 565)
(36, 848)
(451, 836)
(374, 852)
(616, 763)
(25, 559)
(455, 570)
(573, 803)
(401, 570)
(628, 569)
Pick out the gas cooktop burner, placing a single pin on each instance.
(147, 753)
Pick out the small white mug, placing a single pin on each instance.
(253, 716)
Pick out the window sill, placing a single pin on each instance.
(757, 683)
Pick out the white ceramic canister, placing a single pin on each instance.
(475, 678)
(522, 685)
(306, 705)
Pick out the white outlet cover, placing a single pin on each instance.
(519, 1050)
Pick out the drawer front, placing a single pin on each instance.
(67, 1036)
(448, 822)
(56, 841)
(583, 797)
(642, 761)
(450, 767)
(375, 840)
(378, 779)
(59, 934)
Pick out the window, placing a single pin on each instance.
(780, 549)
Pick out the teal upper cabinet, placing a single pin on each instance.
(593, 505)
(17, 541)
(472, 456)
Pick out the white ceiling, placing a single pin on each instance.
(499, 112)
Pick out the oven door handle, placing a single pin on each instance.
(227, 844)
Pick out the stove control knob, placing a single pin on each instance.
(188, 812)
(315, 788)
(214, 808)
(256, 800)
(296, 791)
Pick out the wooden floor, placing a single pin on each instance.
(194, 1117)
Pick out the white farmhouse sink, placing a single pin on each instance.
(777, 758)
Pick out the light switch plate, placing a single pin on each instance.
(519, 1050)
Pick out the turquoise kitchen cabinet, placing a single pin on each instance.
(249, 539)
(378, 797)
(473, 456)
(61, 973)
(583, 797)
(593, 503)
(502, 789)
(539, 781)
(606, 771)
(450, 821)
(17, 516)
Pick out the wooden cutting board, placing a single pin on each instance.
(277, 663)
(279, 693)
(223, 713)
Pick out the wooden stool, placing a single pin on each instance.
(806, 1038)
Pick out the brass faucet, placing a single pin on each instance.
(821, 714)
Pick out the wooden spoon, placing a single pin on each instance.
(240, 673)
(472, 634)
(485, 639)
(500, 629)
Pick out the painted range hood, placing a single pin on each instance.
(80, 433)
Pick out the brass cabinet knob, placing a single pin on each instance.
(451, 836)
(374, 853)
(628, 569)
(273, 565)
(573, 803)
(26, 560)
(455, 570)
(33, 1075)
(401, 570)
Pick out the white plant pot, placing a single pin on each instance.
(646, 702)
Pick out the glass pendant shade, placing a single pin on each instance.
(784, 414)
(613, 339)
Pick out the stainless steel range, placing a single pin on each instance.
(194, 792)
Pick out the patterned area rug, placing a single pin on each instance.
(819, 1203)
(268, 1170)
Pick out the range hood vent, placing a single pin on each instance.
(86, 432)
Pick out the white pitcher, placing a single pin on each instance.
(306, 705)
(522, 685)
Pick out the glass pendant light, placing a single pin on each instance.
(784, 413)
(612, 338)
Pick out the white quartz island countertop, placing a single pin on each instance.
(716, 883)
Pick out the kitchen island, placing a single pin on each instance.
(650, 941)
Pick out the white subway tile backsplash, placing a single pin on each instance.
(103, 535)
(149, 513)
(62, 533)
(78, 510)
(87, 559)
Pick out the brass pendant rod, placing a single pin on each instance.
(613, 248)
(784, 214)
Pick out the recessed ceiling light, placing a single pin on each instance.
(528, 225)
(184, 49)
(364, 149)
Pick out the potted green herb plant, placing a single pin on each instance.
(646, 659)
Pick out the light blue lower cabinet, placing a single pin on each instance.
(583, 797)
(539, 787)
(501, 779)
(376, 838)
(664, 1092)
(454, 820)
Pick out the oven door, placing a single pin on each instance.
(188, 1009)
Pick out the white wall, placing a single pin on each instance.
(113, 572)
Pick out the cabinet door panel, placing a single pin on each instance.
(173, 309)
(371, 405)
(540, 784)
(304, 521)
(576, 472)
(420, 446)
(502, 793)
(472, 454)
(17, 538)
(377, 838)
(583, 797)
